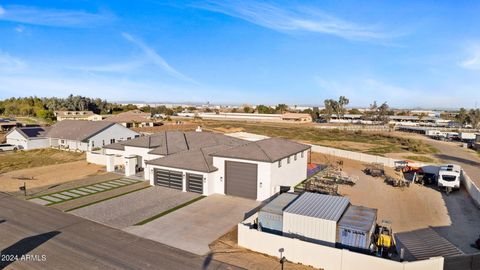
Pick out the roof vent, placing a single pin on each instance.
(199, 129)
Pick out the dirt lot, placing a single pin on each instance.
(225, 249)
(47, 176)
(18, 160)
(454, 217)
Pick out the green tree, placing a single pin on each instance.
(264, 109)
(281, 108)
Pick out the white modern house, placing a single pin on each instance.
(75, 135)
(208, 163)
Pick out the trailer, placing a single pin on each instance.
(467, 136)
(449, 177)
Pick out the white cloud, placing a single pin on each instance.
(155, 58)
(52, 17)
(9, 63)
(473, 61)
(294, 19)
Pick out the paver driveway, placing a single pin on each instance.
(195, 226)
(131, 208)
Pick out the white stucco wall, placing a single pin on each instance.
(117, 132)
(289, 174)
(264, 189)
(140, 151)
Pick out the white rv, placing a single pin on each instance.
(449, 177)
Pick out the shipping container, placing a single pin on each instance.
(313, 217)
(270, 217)
(356, 227)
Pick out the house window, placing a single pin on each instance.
(103, 142)
(62, 141)
(288, 160)
(295, 157)
(279, 163)
(302, 154)
(129, 138)
(136, 136)
(93, 144)
(112, 140)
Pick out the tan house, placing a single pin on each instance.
(297, 117)
(77, 115)
(134, 118)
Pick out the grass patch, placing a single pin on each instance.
(106, 199)
(145, 221)
(382, 143)
(81, 196)
(421, 159)
(18, 160)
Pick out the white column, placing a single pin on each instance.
(130, 163)
(146, 172)
(184, 189)
(110, 163)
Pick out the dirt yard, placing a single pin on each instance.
(225, 249)
(12, 161)
(454, 217)
(47, 176)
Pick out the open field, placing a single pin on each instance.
(365, 142)
(47, 176)
(413, 208)
(18, 160)
(372, 143)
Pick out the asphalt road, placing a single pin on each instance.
(57, 240)
(451, 152)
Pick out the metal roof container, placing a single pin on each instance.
(356, 227)
(270, 217)
(313, 217)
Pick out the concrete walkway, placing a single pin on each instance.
(126, 210)
(195, 226)
(75, 193)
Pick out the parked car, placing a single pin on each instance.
(8, 147)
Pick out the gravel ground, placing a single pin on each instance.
(131, 208)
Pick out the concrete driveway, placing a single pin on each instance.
(194, 227)
(133, 207)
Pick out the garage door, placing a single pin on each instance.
(168, 179)
(195, 183)
(241, 179)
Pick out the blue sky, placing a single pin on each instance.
(408, 53)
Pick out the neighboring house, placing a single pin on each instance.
(7, 124)
(77, 115)
(74, 135)
(208, 163)
(134, 118)
(28, 138)
(297, 117)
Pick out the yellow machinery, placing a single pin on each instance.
(384, 239)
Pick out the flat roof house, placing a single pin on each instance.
(207, 163)
(77, 135)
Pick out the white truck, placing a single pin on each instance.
(449, 177)
(467, 136)
(8, 147)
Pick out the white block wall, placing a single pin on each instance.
(320, 256)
